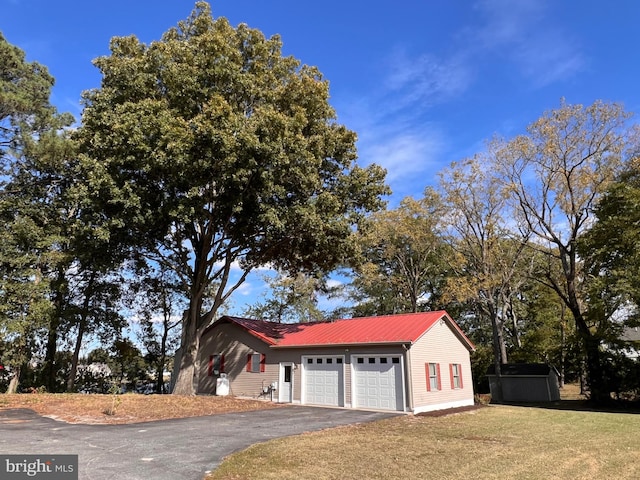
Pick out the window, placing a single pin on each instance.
(216, 364)
(433, 376)
(455, 369)
(360, 360)
(256, 362)
(372, 360)
(329, 360)
(395, 360)
(338, 360)
(383, 360)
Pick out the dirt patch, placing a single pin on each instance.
(128, 408)
(451, 411)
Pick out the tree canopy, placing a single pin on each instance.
(555, 175)
(216, 152)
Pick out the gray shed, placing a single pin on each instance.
(526, 382)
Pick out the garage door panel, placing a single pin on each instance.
(324, 380)
(378, 382)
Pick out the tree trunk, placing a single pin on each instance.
(499, 356)
(15, 380)
(71, 379)
(563, 352)
(163, 356)
(184, 384)
(49, 367)
(82, 325)
(598, 391)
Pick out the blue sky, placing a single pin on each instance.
(422, 82)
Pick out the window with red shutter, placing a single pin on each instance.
(451, 379)
(256, 362)
(455, 370)
(433, 376)
(216, 364)
(428, 374)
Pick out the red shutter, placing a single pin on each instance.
(460, 373)
(222, 363)
(263, 362)
(210, 369)
(438, 373)
(426, 367)
(451, 376)
(249, 362)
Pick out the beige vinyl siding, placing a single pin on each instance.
(235, 344)
(440, 345)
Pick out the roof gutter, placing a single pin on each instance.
(342, 345)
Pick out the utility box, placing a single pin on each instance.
(222, 385)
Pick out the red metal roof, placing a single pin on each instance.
(387, 329)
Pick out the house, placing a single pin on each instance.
(526, 382)
(410, 363)
(630, 340)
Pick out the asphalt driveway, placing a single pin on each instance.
(176, 449)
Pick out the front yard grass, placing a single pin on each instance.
(494, 442)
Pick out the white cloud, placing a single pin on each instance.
(526, 36)
(394, 123)
(548, 60)
(426, 80)
(403, 154)
(246, 289)
(503, 22)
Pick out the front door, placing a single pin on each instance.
(285, 394)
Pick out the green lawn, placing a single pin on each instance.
(495, 442)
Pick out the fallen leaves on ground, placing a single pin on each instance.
(127, 408)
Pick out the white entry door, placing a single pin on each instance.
(285, 385)
(324, 380)
(378, 382)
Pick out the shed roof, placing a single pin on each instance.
(631, 334)
(522, 369)
(387, 329)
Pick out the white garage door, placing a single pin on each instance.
(378, 382)
(324, 381)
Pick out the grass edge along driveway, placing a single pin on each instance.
(495, 442)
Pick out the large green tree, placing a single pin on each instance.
(555, 175)
(290, 299)
(33, 148)
(488, 265)
(215, 151)
(24, 99)
(611, 250)
(403, 266)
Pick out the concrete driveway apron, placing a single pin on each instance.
(171, 449)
